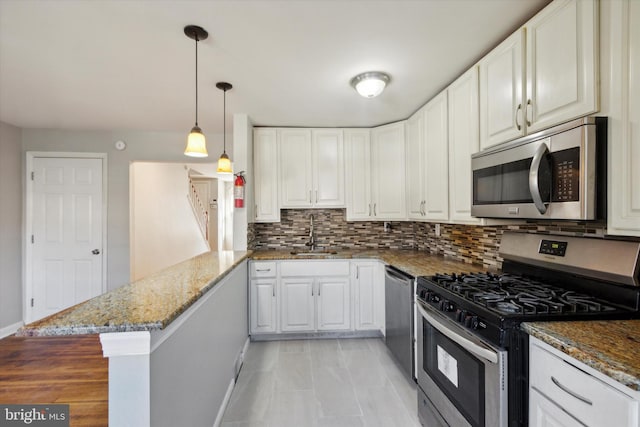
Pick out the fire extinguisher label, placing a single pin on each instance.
(238, 195)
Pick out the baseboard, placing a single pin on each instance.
(225, 402)
(317, 335)
(10, 330)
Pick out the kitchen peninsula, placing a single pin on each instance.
(169, 337)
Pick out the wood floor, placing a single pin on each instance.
(57, 370)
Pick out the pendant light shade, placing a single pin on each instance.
(224, 163)
(196, 143)
(370, 84)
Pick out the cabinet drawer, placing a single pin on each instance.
(314, 268)
(585, 397)
(263, 269)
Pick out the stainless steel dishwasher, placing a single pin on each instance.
(399, 295)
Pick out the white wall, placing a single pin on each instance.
(243, 161)
(10, 228)
(141, 146)
(164, 229)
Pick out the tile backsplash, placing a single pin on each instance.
(468, 243)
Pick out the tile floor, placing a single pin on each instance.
(324, 383)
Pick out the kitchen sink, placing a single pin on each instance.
(318, 253)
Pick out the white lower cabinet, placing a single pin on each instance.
(368, 290)
(298, 304)
(315, 295)
(563, 392)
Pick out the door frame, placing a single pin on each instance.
(27, 264)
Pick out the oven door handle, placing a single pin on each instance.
(534, 175)
(470, 346)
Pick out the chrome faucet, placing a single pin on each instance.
(312, 240)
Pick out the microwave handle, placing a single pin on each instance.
(534, 188)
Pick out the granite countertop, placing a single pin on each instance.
(415, 263)
(611, 347)
(147, 304)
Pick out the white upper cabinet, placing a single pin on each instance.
(358, 173)
(311, 168)
(562, 63)
(328, 167)
(296, 176)
(463, 142)
(265, 166)
(436, 170)
(388, 172)
(415, 165)
(559, 83)
(501, 74)
(622, 100)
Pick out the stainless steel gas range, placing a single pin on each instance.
(472, 354)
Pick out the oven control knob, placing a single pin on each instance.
(445, 305)
(471, 322)
(422, 294)
(460, 315)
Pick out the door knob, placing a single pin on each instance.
(96, 251)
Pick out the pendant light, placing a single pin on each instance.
(196, 143)
(224, 163)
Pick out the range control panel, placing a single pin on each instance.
(553, 247)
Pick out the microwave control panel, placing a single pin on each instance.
(566, 175)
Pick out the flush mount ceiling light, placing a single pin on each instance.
(224, 163)
(196, 143)
(370, 84)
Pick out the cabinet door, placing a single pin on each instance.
(358, 173)
(368, 287)
(544, 413)
(297, 303)
(624, 119)
(562, 63)
(415, 166)
(328, 168)
(265, 163)
(295, 168)
(436, 165)
(333, 299)
(463, 142)
(501, 92)
(388, 172)
(263, 306)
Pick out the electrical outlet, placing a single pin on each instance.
(387, 226)
(437, 229)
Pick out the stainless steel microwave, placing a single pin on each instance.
(557, 173)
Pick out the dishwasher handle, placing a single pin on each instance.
(398, 275)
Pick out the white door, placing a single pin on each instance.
(265, 164)
(415, 166)
(436, 164)
(67, 226)
(328, 168)
(295, 168)
(358, 173)
(297, 302)
(388, 172)
(501, 106)
(367, 296)
(263, 305)
(334, 303)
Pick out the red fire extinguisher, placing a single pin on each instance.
(238, 190)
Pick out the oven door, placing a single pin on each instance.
(462, 378)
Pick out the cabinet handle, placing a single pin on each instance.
(255, 212)
(358, 272)
(263, 269)
(274, 291)
(318, 289)
(374, 209)
(316, 196)
(572, 393)
(369, 209)
(526, 112)
(310, 196)
(423, 211)
(517, 111)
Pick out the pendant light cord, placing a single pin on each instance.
(196, 38)
(224, 122)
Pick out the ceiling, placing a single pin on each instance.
(127, 65)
